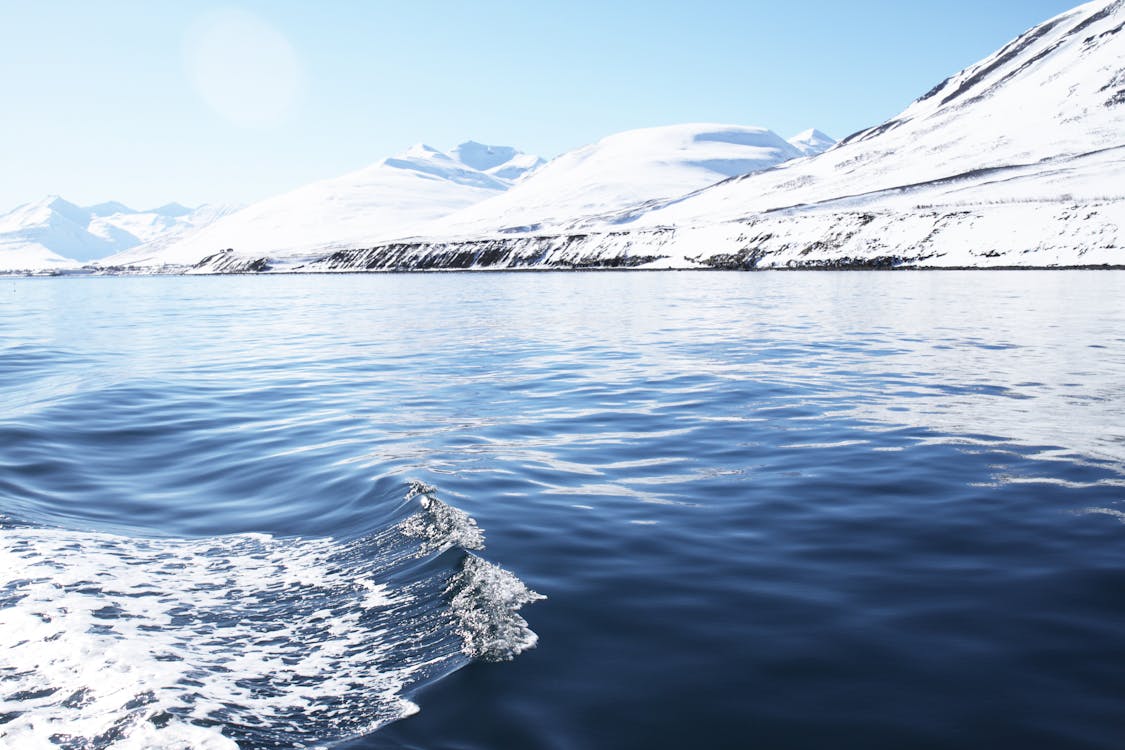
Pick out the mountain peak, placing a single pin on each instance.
(1055, 92)
(55, 201)
(109, 208)
(53, 231)
(58, 206)
(625, 170)
(812, 142)
(172, 210)
(813, 133)
(481, 156)
(419, 150)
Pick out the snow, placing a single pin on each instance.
(621, 171)
(427, 160)
(172, 210)
(109, 208)
(503, 162)
(812, 142)
(22, 256)
(358, 208)
(1015, 161)
(520, 167)
(476, 187)
(55, 234)
(1042, 96)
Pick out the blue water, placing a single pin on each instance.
(788, 510)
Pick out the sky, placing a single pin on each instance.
(218, 102)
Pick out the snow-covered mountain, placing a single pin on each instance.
(622, 171)
(503, 162)
(54, 233)
(358, 208)
(1054, 91)
(812, 142)
(1017, 160)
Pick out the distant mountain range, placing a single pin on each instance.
(55, 233)
(381, 200)
(1018, 160)
(620, 172)
(419, 184)
(398, 196)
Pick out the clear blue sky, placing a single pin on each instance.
(150, 102)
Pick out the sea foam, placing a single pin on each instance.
(117, 642)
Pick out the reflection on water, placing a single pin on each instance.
(1029, 356)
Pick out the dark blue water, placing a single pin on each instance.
(869, 510)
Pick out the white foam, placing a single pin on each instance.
(117, 642)
(136, 643)
(440, 526)
(485, 600)
(1120, 516)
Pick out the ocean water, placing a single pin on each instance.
(563, 510)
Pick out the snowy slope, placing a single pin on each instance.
(19, 255)
(54, 233)
(620, 171)
(1057, 90)
(53, 230)
(361, 207)
(1018, 160)
(1039, 215)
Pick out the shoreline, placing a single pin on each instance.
(82, 273)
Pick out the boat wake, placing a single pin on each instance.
(244, 641)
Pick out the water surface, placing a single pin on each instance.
(776, 510)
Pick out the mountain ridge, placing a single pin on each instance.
(54, 233)
(423, 190)
(1012, 161)
(812, 142)
(622, 170)
(416, 185)
(1015, 160)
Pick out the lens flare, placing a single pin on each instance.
(243, 68)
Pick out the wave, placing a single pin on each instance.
(247, 640)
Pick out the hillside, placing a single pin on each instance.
(369, 204)
(621, 171)
(1013, 161)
